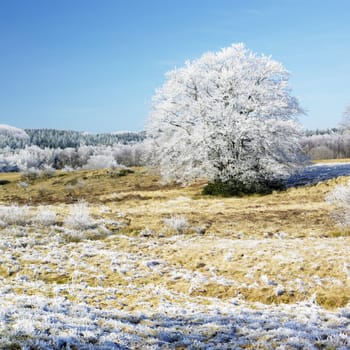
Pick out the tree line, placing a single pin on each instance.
(327, 144)
(51, 138)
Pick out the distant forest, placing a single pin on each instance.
(44, 149)
(318, 144)
(327, 144)
(52, 138)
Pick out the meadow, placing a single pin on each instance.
(114, 259)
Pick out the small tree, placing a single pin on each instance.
(340, 199)
(229, 117)
(345, 122)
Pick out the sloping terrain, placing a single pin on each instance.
(115, 260)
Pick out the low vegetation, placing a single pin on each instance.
(96, 260)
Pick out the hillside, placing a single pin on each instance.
(121, 247)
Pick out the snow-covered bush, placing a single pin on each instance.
(14, 215)
(178, 223)
(132, 154)
(340, 198)
(47, 171)
(33, 173)
(79, 217)
(30, 174)
(45, 216)
(100, 162)
(34, 157)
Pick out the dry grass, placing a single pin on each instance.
(279, 248)
(325, 161)
(300, 212)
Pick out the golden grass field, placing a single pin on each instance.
(278, 248)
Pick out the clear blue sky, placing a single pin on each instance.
(94, 65)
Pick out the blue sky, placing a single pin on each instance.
(94, 65)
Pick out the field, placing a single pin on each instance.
(112, 259)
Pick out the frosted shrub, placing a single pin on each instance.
(30, 174)
(23, 184)
(67, 169)
(34, 157)
(177, 223)
(14, 215)
(100, 162)
(33, 173)
(79, 217)
(47, 171)
(45, 217)
(340, 198)
(146, 232)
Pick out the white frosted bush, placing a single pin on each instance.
(14, 215)
(340, 198)
(31, 173)
(48, 171)
(45, 171)
(79, 217)
(177, 223)
(23, 184)
(34, 157)
(100, 162)
(45, 216)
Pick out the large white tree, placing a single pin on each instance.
(227, 116)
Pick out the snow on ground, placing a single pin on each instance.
(68, 287)
(318, 172)
(34, 322)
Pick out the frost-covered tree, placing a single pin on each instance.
(227, 116)
(347, 110)
(345, 122)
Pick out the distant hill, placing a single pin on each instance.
(53, 138)
(12, 137)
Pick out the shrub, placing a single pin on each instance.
(14, 215)
(79, 217)
(23, 184)
(45, 216)
(238, 188)
(100, 161)
(47, 171)
(30, 174)
(177, 223)
(123, 172)
(340, 198)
